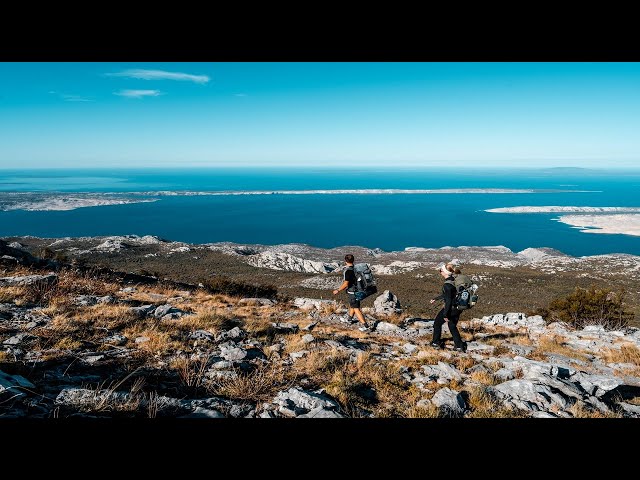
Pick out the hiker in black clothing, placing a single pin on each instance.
(449, 313)
(349, 285)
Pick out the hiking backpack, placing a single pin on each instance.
(465, 292)
(365, 281)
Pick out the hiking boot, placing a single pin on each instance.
(348, 320)
(365, 328)
(461, 348)
(438, 345)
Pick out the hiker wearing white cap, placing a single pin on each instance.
(449, 313)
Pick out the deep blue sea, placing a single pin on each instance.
(386, 221)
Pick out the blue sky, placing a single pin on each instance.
(319, 114)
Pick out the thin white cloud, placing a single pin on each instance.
(138, 93)
(68, 97)
(143, 74)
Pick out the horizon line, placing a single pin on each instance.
(332, 166)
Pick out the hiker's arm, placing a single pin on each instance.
(344, 286)
(435, 299)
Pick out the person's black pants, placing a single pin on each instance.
(453, 328)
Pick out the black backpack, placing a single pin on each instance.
(365, 281)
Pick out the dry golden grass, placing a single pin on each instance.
(260, 385)
(484, 404)
(159, 342)
(328, 309)
(628, 353)
(485, 378)
(424, 357)
(67, 343)
(374, 386)
(429, 411)
(106, 316)
(71, 282)
(213, 320)
(554, 344)
(462, 363)
(59, 304)
(5, 357)
(501, 350)
(11, 294)
(581, 410)
(318, 366)
(105, 400)
(191, 371)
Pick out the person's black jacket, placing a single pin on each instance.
(448, 295)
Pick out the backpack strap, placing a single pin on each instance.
(344, 273)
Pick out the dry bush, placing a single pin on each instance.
(260, 385)
(590, 306)
(4, 356)
(628, 353)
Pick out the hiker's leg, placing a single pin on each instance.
(351, 310)
(355, 307)
(437, 327)
(453, 328)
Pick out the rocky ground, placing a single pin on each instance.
(73, 343)
(509, 281)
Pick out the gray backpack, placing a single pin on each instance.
(465, 292)
(365, 281)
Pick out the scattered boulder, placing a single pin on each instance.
(264, 302)
(233, 353)
(115, 339)
(285, 327)
(236, 333)
(28, 280)
(310, 303)
(295, 402)
(143, 310)
(202, 335)
(386, 327)
(450, 402)
(308, 338)
(386, 304)
(13, 384)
